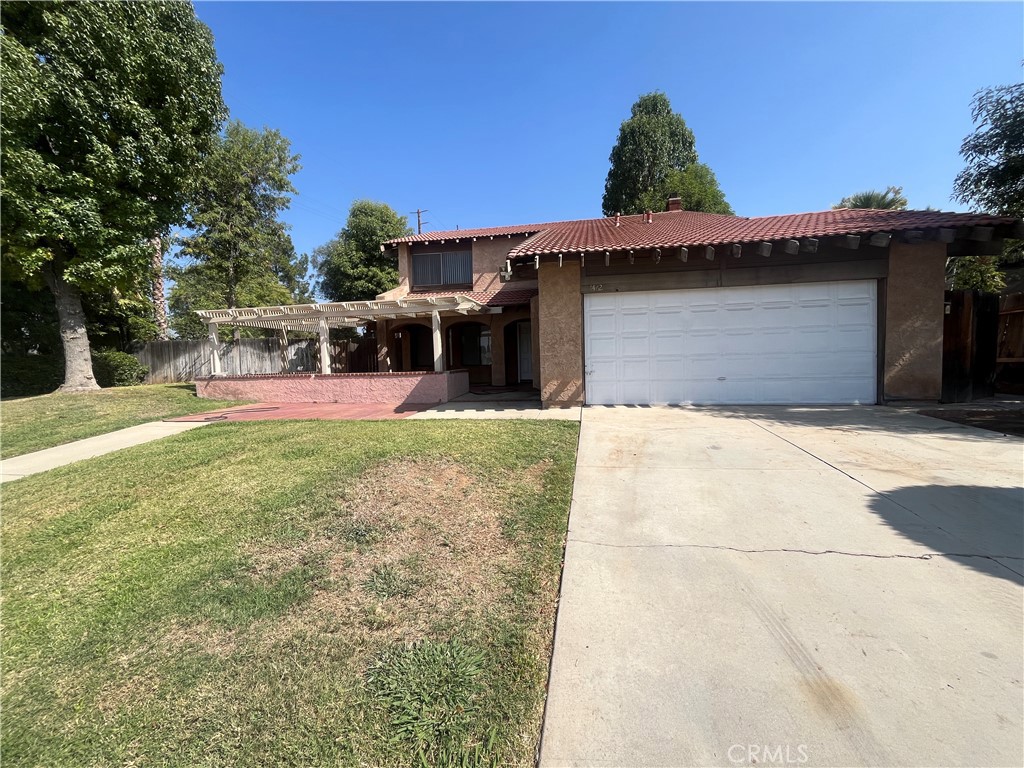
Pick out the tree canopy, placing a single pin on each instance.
(993, 178)
(651, 161)
(238, 252)
(890, 199)
(351, 266)
(108, 109)
(696, 187)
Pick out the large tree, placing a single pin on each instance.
(993, 178)
(696, 187)
(651, 161)
(890, 199)
(238, 250)
(108, 108)
(352, 266)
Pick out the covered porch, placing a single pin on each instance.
(425, 354)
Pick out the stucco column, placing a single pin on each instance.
(435, 327)
(560, 315)
(914, 314)
(324, 334)
(214, 349)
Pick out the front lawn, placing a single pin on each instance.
(287, 593)
(32, 423)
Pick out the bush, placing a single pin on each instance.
(30, 375)
(117, 369)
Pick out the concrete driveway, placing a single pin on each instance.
(778, 586)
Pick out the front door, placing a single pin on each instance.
(525, 351)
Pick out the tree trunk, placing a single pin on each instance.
(78, 375)
(159, 304)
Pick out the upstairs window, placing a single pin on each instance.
(436, 270)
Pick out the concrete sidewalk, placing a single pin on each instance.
(32, 463)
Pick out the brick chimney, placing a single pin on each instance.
(674, 204)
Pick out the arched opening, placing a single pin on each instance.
(413, 348)
(469, 346)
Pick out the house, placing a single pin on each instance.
(839, 306)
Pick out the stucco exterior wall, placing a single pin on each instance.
(560, 321)
(420, 388)
(489, 259)
(913, 322)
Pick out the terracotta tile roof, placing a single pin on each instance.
(673, 229)
(685, 228)
(505, 296)
(455, 234)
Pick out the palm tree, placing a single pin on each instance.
(891, 199)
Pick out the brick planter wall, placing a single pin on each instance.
(413, 388)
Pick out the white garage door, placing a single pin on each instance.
(802, 343)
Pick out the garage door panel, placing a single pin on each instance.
(632, 321)
(635, 367)
(602, 322)
(662, 320)
(800, 343)
(602, 393)
(601, 347)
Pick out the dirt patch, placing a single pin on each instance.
(271, 561)
(420, 545)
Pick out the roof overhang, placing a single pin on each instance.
(343, 314)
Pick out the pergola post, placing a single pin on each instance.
(435, 323)
(282, 339)
(214, 349)
(325, 347)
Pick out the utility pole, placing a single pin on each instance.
(419, 220)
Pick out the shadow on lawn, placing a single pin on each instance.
(976, 526)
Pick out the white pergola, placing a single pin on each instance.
(320, 318)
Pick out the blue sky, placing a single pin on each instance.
(490, 114)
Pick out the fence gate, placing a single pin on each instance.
(969, 336)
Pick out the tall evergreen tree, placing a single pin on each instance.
(649, 163)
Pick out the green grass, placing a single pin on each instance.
(32, 423)
(288, 594)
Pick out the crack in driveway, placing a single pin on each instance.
(926, 556)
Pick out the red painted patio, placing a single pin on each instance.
(330, 411)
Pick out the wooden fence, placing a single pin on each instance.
(187, 360)
(1010, 345)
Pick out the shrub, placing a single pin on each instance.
(117, 369)
(30, 375)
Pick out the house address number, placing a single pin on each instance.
(597, 286)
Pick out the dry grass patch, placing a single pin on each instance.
(416, 542)
(358, 594)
